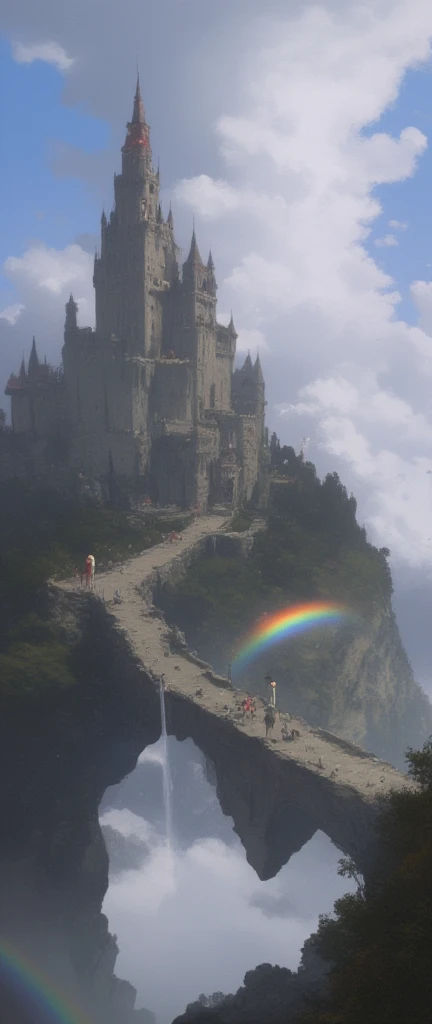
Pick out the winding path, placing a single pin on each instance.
(337, 778)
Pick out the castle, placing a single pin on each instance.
(149, 401)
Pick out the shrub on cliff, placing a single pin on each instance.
(378, 940)
(312, 549)
(29, 668)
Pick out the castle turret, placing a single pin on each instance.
(71, 322)
(247, 368)
(136, 149)
(137, 259)
(258, 374)
(231, 329)
(193, 267)
(211, 277)
(33, 366)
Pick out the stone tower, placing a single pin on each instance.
(150, 399)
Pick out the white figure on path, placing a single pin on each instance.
(271, 688)
(93, 566)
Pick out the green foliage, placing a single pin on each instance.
(27, 668)
(240, 522)
(312, 549)
(420, 765)
(378, 940)
(43, 535)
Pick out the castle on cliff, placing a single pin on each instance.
(149, 401)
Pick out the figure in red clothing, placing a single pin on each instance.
(88, 573)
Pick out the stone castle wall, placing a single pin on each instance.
(149, 397)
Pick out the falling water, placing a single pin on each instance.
(167, 784)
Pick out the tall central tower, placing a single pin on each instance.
(137, 258)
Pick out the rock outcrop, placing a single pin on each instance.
(278, 792)
(62, 749)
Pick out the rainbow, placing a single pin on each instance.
(36, 991)
(282, 625)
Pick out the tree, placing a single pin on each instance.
(378, 940)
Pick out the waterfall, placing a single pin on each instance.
(167, 784)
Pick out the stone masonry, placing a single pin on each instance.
(149, 402)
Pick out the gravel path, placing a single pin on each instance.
(147, 636)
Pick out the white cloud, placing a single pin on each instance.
(174, 896)
(12, 313)
(398, 225)
(44, 278)
(51, 270)
(49, 52)
(386, 241)
(296, 211)
(251, 340)
(395, 474)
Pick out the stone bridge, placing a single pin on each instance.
(278, 793)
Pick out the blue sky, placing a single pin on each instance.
(408, 201)
(54, 210)
(36, 203)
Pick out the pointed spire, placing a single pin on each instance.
(71, 315)
(103, 219)
(22, 373)
(159, 214)
(258, 374)
(231, 327)
(137, 129)
(247, 365)
(33, 365)
(210, 264)
(138, 116)
(170, 219)
(194, 254)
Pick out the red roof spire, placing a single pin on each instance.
(137, 129)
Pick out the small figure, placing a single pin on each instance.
(245, 705)
(88, 573)
(271, 690)
(117, 597)
(294, 734)
(93, 565)
(252, 710)
(269, 720)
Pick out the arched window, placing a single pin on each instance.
(204, 285)
(212, 396)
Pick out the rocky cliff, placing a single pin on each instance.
(357, 683)
(66, 745)
(59, 752)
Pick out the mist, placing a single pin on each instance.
(195, 918)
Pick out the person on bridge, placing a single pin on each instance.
(271, 690)
(246, 705)
(88, 573)
(269, 720)
(93, 567)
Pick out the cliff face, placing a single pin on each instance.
(356, 683)
(58, 755)
(377, 702)
(67, 746)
